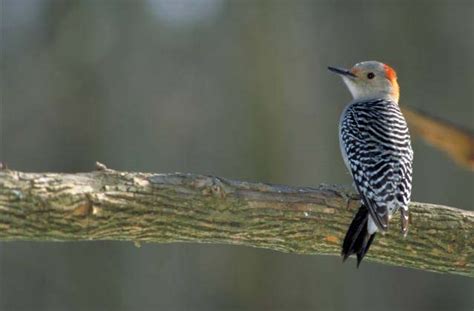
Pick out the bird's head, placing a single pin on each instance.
(369, 80)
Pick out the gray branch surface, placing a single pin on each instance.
(169, 208)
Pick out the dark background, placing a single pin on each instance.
(231, 88)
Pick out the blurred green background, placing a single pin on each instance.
(231, 88)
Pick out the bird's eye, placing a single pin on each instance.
(370, 75)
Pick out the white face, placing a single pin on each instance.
(357, 91)
(368, 80)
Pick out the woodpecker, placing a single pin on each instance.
(376, 148)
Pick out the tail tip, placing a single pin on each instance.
(344, 256)
(358, 239)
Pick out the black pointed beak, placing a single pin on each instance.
(342, 72)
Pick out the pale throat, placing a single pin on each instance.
(360, 93)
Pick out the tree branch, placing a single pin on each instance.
(168, 208)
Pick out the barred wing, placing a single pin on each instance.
(376, 146)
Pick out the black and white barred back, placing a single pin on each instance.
(375, 144)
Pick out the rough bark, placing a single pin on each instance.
(168, 208)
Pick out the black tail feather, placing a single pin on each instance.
(365, 247)
(358, 239)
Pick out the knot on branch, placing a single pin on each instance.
(211, 186)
